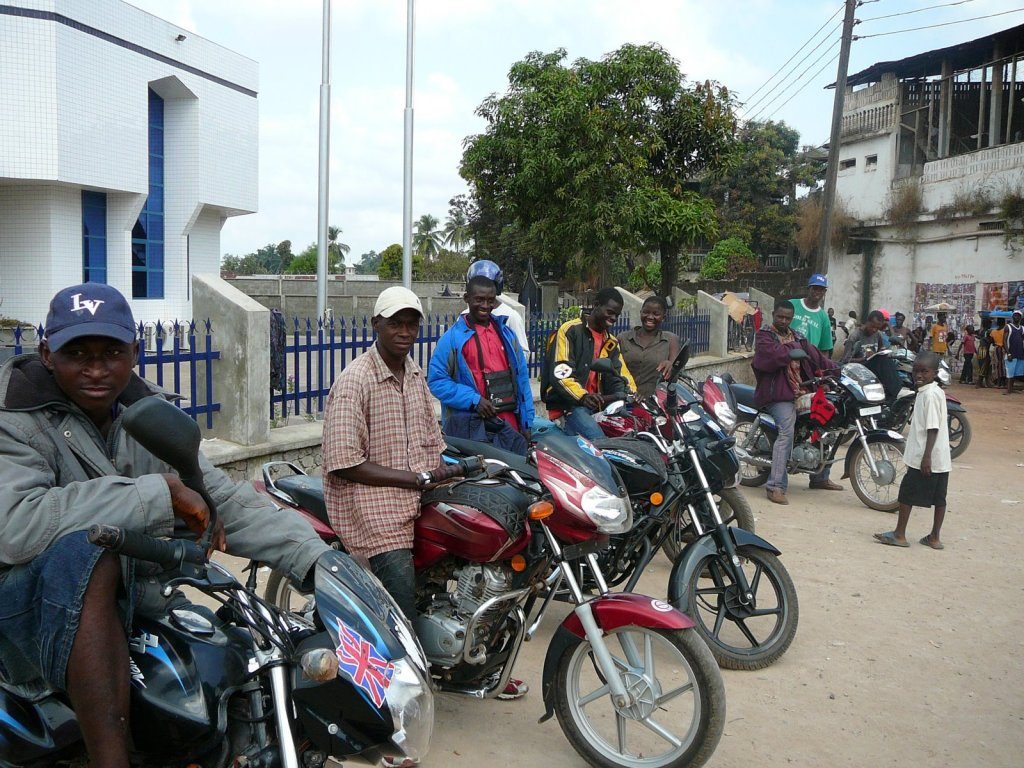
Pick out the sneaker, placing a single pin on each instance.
(399, 762)
(515, 689)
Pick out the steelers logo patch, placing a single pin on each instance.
(562, 371)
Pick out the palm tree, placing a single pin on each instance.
(456, 230)
(337, 250)
(427, 239)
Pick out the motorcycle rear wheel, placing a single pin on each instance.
(750, 476)
(740, 637)
(733, 507)
(883, 497)
(959, 434)
(666, 671)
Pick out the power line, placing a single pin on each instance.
(815, 75)
(806, 43)
(917, 10)
(793, 69)
(933, 26)
(798, 79)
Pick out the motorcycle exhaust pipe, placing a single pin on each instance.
(754, 461)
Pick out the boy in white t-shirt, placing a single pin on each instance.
(926, 455)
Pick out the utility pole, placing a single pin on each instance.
(324, 169)
(824, 237)
(410, 24)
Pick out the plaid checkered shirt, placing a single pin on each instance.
(370, 417)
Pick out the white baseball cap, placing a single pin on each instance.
(395, 299)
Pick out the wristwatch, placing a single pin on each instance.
(424, 479)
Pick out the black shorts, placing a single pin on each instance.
(916, 490)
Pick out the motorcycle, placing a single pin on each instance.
(842, 408)
(897, 415)
(249, 685)
(627, 676)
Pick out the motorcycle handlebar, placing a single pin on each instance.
(167, 553)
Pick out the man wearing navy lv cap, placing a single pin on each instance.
(65, 464)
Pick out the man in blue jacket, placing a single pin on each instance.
(478, 371)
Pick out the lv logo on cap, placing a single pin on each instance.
(90, 304)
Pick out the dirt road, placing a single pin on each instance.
(904, 657)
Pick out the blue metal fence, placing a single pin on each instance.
(185, 362)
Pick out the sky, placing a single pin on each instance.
(464, 49)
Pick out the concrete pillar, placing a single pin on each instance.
(719, 346)
(982, 96)
(241, 332)
(549, 296)
(631, 305)
(995, 113)
(681, 297)
(765, 302)
(945, 107)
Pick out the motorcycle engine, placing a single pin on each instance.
(443, 625)
(806, 456)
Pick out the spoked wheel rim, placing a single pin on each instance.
(884, 489)
(741, 627)
(663, 719)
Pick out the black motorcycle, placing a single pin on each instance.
(248, 685)
(843, 407)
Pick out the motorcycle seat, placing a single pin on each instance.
(473, 448)
(744, 395)
(308, 493)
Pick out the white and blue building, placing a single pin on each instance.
(126, 142)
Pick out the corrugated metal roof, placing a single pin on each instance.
(961, 56)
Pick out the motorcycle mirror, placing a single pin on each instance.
(167, 432)
(797, 354)
(680, 362)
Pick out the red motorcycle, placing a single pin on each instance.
(628, 677)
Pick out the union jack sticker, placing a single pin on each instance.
(361, 662)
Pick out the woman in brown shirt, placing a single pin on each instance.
(648, 350)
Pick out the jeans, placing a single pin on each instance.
(967, 374)
(396, 572)
(784, 414)
(580, 421)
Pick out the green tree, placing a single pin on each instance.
(368, 264)
(456, 227)
(306, 262)
(447, 266)
(586, 164)
(756, 198)
(335, 247)
(426, 240)
(391, 264)
(728, 257)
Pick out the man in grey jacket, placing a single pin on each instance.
(65, 464)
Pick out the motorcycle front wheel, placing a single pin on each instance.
(750, 635)
(881, 492)
(732, 506)
(676, 711)
(750, 476)
(281, 593)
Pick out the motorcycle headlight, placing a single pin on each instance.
(411, 703)
(610, 513)
(725, 415)
(874, 393)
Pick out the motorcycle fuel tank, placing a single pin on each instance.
(479, 522)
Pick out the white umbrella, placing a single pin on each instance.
(942, 306)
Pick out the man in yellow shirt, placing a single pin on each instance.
(939, 331)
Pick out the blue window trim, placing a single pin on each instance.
(148, 233)
(94, 237)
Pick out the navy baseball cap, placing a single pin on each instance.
(819, 280)
(88, 309)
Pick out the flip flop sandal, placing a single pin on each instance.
(928, 543)
(890, 539)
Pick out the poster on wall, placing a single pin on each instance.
(994, 295)
(960, 295)
(1015, 294)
